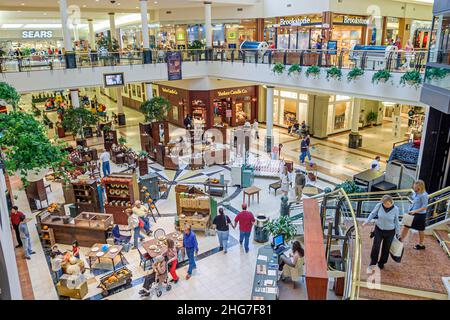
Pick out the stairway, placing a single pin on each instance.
(443, 237)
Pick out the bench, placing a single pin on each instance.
(275, 186)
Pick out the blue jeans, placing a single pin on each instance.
(137, 236)
(190, 252)
(27, 246)
(244, 237)
(106, 168)
(303, 156)
(223, 239)
(57, 275)
(146, 223)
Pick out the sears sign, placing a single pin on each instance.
(39, 34)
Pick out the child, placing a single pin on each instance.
(56, 261)
(75, 249)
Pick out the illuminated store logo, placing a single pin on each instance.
(232, 92)
(355, 20)
(295, 21)
(37, 34)
(170, 91)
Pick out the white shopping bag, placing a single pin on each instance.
(397, 250)
(407, 220)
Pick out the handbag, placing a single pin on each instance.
(396, 250)
(407, 220)
(141, 223)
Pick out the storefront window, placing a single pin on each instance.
(392, 26)
(440, 43)
(289, 107)
(421, 34)
(339, 112)
(175, 115)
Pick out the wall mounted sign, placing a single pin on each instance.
(294, 21)
(355, 20)
(174, 65)
(38, 34)
(232, 92)
(169, 91)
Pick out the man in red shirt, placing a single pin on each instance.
(15, 221)
(246, 220)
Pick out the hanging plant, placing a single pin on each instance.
(26, 147)
(76, 119)
(335, 73)
(282, 225)
(436, 73)
(349, 187)
(294, 69)
(381, 76)
(355, 74)
(155, 109)
(278, 68)
(313, 70)
(411, 78)
(9, 95)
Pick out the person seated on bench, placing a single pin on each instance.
(292, 265)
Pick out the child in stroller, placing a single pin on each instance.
(160, 278)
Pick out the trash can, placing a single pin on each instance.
(73, 210)
(261, 235)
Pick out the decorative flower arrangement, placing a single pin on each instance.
(283, 225)
(411, 78)
(355, 74)
(313, 71)
(335, 73)
(294, 69)
(381, 76)
(278, 68)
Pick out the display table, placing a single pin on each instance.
(149, 246)
(211, 188)
(367, 179)
(251, 192)
(111, 254)
(265, 285)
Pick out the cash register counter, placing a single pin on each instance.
(265, 286)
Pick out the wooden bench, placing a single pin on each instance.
(275, 186)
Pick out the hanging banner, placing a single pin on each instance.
(174, 65)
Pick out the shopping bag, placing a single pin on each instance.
(396, 250)
(141, 223)
(407, 220)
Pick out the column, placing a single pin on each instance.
(318, 115)
(76, 35)
(92, 42)
(68, 46)
(147, 54)
(269, 119)
(208, 25)
(149, 90)
(120, 114)
(112, 26)
(75, 98)
(354, 139)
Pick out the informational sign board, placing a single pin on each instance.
(174, 63)
(113, 80)
(332, 47)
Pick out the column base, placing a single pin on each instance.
(269, 143)
(121, 119)
(147, 56)
(354, 140)
(71, 60)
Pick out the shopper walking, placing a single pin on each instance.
(304, 150)
(300, 182)
(246, 220)
(386, 227)
(15, 222)
(56, 262)
(172, 260)
(143, 213)
(105, 158)
(25, 237)
(256, 129)
(308, 143)
(190, 244)
(419, 211)
(222, 222)
(285, 180)
(375, 164)
(133, 224)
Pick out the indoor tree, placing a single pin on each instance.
(155, 109)
(76, 119)
(9, 95)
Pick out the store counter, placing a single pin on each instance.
(265, 285)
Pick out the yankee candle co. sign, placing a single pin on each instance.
(39, 34)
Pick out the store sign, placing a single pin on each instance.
(169, 91)
(41, 34)
(232, 92)
(294, 21)
(174, 63)
(355, 20)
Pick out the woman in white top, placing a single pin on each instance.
(285, 181)
(256, 128)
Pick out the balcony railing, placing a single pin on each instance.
(393, 61)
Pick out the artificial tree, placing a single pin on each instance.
(9, 95)
(372, 116)
(76, 119)
(155, 109)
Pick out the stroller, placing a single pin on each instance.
(153, 283)
(121, 237)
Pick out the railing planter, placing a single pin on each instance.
(294, 69)
(436, 73)
(355, 74)
(334, 73)
(381, 76)
(313, 71)
(278, 68)
(412, 79)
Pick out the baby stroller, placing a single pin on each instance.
(160, 273)
(121, 237)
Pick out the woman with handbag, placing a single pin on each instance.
(419, 211)
(222, 222)
(386, 227)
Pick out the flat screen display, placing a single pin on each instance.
(114, 79)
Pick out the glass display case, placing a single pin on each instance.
(94, 220)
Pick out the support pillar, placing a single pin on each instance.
(146, 52)
(269, 119)
(75, 98)
(70, 58)
(149, 90)
(92, 42)
(208, 25)
(355, 139)
(120, 113)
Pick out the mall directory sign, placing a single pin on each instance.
(174, 65)
(113, 79)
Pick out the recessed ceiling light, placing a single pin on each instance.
(22, 4)
(84, 6)
(156, 2)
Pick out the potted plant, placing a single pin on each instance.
(143, 163)
(278, 68)
(372, 116)
(335, 73)
(411, 78)
(27, 149)
(155, 109)
(282, 225)
(381, 76)
(355, 74)
(8, 95)
(349, 187)
(313, 71)
(122, 140)
(76, 119)
(195, 47)
(294, 69)
(436, 73)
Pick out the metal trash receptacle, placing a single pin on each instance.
(73, 210)
(261, 235)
